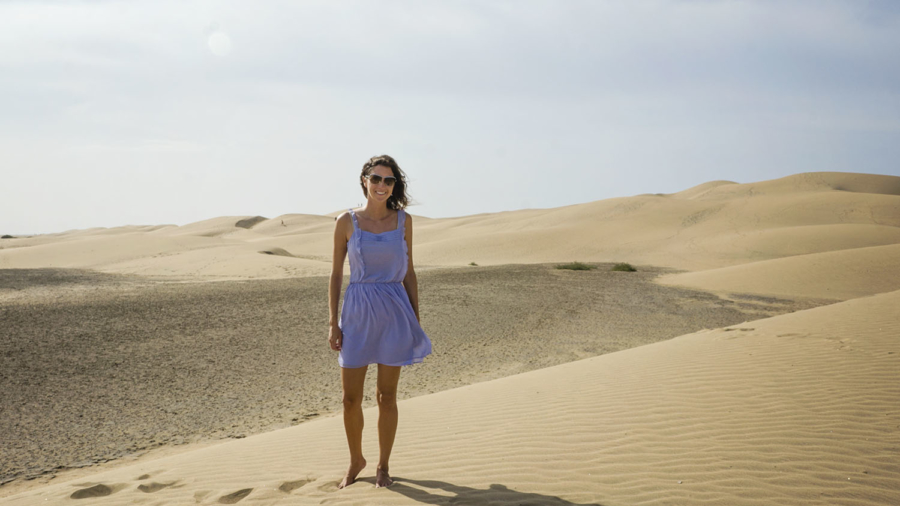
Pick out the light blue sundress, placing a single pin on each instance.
(377, 320)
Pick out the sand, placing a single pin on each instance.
(843, 274)
(98, 367)
(797, 408)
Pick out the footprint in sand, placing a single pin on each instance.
(331, 486)
(154, 487)
(289, 486)
(147, 476)
(98, 490)
(234, 497)
(201, 495)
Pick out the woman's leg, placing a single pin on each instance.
(388, 377)
(353, 381)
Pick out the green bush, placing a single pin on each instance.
(576, 266)
(623, 267)
(473, 263)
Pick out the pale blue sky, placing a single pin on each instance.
(152, 112)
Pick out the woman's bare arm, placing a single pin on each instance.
(337, 276)
(410, 282)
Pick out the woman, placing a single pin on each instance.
(379, 320)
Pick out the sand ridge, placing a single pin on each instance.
(842, 274)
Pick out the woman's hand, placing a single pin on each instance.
(335, 337)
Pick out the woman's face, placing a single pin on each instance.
(379, 192)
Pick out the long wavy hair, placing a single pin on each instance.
(398, 199)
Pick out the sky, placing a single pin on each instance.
(174, 111)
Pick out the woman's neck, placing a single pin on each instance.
(376, 210)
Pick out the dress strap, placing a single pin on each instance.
(401, 219)
(355, 223)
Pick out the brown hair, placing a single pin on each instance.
(398, 199)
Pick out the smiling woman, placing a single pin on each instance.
(379, 320)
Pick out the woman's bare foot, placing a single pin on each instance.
(382, 478)
(355, 468)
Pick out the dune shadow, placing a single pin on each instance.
(494, 494)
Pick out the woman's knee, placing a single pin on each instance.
(352, 400)
(387, 398)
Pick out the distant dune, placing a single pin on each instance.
(714, 225)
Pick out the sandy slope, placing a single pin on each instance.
(713, 225)
(842, 274)
(730, 224)
(97, 366)
(795, 409)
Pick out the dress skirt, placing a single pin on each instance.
(377, 320)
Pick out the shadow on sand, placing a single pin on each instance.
(495, 494)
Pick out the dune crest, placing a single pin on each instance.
(699, 190)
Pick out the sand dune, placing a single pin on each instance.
(713, 225)
(214, 227)
(804, 182)
(235, 261)
(798, 409)
(691, 234)
(697, 191)
(180, 255)
(287, 224)
(840, 275)
(99, 250)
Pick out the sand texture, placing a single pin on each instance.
(99, 367)
(795, 409)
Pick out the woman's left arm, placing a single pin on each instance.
(410, 282)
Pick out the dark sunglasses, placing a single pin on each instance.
(375, 179)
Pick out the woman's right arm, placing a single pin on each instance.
(337, 278)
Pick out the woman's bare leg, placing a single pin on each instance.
(388, 377)
(353, 381)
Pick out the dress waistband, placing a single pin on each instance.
(375, 282)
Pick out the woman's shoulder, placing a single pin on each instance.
(407, 222)
(344, 221)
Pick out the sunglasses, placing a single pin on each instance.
(375, 179)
